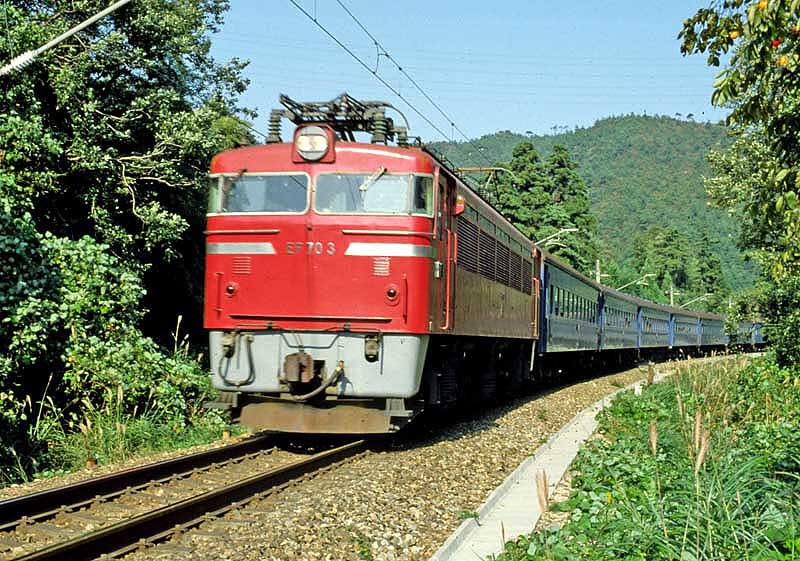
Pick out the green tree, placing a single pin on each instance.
(682, 267)
(522, 194)
(110, 134)
(569, 192)
(759, 83)
(759, 174)
(542, 198)
(104, 146)
(636, 168)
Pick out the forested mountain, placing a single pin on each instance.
(641, 172)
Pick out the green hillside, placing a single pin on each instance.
(641, 172)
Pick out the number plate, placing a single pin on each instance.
(310, 248)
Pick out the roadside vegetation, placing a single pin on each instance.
(104, 145)
(704, 466)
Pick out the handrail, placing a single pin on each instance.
(446, 325)
(387, 233)
(217, 232)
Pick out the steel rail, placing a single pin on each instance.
(51, 500)
(122, 535)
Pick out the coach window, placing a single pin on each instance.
(287, 193)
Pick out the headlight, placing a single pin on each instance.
(311, 143)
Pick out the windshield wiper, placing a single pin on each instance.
(231, 180)
(368, 182)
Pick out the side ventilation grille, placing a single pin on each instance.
(467, 246)
(479, 252)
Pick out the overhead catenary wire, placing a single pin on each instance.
(370, 70)
(383, 52)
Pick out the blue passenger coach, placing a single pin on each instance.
(579, 314)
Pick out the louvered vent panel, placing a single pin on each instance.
(486, 255)
(502, 264)
(467, 245)
(242, 265)
(515, 271)
(526, 276)
(381, 266)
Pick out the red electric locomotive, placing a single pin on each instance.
(331, 284)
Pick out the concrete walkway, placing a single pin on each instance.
(513, 508)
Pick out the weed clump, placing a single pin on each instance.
(705, 466)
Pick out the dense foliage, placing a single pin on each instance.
(758, 175)
(104, 143)
(760, 84)
(641, 172)
(543, 198)
(682, 269)
(706, 466)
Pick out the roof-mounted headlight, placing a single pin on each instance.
(311, 143)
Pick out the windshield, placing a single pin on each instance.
(374, 193)
(259, 193)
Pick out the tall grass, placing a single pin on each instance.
(705, 467)
(141, 401)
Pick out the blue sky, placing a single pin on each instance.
(505, 65)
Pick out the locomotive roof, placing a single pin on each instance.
(350, 156)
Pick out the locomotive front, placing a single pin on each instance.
(318, 281)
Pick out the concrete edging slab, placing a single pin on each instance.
(512, 509)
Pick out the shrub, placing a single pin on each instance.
(72, 352)
(783, 328)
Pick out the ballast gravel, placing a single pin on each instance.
(395, 504)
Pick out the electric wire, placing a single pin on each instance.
(382, 51)
(368, 69)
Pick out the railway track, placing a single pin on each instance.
(119, 513)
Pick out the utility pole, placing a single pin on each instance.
(27, 57)
(597, 271)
